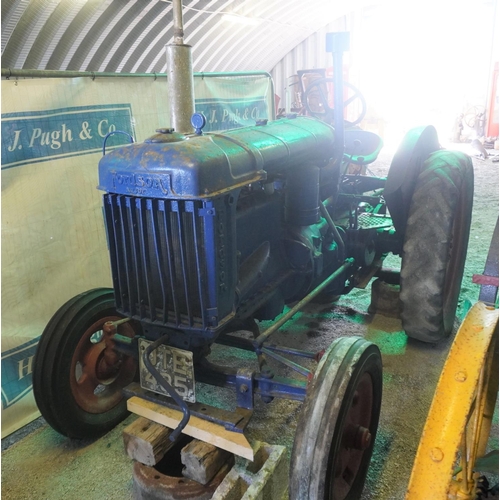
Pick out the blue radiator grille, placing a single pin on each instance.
(158, 259)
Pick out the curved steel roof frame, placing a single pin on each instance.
(273, 40)
(51, 34)
(109, 34)
(154, 35)
(125, 40)
(129, 35)
(201, 20)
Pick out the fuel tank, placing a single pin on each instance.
(207, 165)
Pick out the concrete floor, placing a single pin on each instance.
(45, 465)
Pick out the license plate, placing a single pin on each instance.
(175, 366)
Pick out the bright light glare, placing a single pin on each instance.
(249, 21)
(423, 62)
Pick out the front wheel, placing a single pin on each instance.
(338, 423)
(435, 245)
(76, 396)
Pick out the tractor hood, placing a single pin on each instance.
(202, 166)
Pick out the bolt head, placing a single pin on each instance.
(437, 454)
(363, 438)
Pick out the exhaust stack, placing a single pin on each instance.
(180, 86)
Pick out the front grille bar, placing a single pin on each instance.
(170, 257)
(175, 207)
(161, 274)
(145, 254)
(135, 261)
(198, 265)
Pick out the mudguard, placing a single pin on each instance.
(406, 166)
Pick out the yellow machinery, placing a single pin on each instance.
(458, 425)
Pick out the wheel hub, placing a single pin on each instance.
(363, 438)
(98, 372)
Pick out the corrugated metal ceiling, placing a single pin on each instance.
(130, 35)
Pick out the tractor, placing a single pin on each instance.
(212, 233)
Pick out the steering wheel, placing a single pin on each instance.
(474, 115)
(316, 101)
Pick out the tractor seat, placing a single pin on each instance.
(361, 146)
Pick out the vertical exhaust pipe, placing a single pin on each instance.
(337, 44)
(180, 86)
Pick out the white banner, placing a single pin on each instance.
(53, 240)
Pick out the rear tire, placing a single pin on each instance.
(435, 245)
(71, 392)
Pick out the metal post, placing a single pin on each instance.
(42, 73)
(180, 86)
(178, 23)
(337, 44)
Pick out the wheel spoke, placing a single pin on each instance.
(478, 417)
(342, 488)
(86, 384)
(348, 476)
(473, 443)
(356, 437)
(318, 90)
(324, 99)
(85, 373)
(350, 99)
(464, 464)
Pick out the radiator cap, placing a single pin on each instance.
(198, 121)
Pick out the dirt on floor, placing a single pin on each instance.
(45, 465)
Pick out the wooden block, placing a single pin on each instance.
(264, 479)
(146, 441)
(198, 428)
(203, 460)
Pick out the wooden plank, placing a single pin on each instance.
(146, 441)
(203, 460)
(198, 428)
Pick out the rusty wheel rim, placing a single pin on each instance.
(93, 390)
(354, 441)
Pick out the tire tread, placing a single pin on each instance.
(444, 187)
